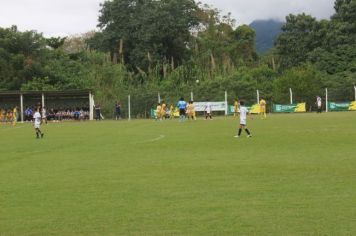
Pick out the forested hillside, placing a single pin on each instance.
(267, 32)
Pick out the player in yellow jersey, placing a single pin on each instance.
(14, 116)
(163, 110)
(191, 111)
(2, 116)
(9, 116)
(263, 105)
(171, 112)
(236, 108)
(158, 112)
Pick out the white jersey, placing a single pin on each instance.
(319, 102)
(208, 108)
(243, 115)
(37, 117)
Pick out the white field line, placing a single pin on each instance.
(152, 140)
(12, 128)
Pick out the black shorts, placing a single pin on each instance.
(182, 112)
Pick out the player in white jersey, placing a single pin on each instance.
(37, 118)
(208, 111)
(243, 120)
(319, 103)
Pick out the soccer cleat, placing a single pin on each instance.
(42, 135)
(249, 136)
(236, 136)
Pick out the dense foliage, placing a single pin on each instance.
(175, 47)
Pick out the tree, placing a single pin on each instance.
(305, 81)
(131, 30)
(55, 42)
(21, 56)
(77, 43)
(219, 47)
(245, 38)
(300, 35)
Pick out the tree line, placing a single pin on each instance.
(178, 46)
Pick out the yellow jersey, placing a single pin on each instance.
(158, 109)
(189, 107)
(263, 105)
(163, 108)
(236, 106)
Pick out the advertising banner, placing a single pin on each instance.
(254, 109)
(215, 106)
(300, 107)
(342, 106)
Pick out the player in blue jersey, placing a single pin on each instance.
(182, 105)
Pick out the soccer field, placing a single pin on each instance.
(295, 176)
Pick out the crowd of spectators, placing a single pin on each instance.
(68, 114)
(8, 115)
(60, 114)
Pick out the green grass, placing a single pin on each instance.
(296, 176)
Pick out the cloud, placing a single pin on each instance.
(67, 17)
(53, 17)
(246, 11)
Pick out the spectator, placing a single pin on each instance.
(98, 112)
(28, 114)
(118, 110)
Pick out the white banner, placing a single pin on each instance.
(215, 106)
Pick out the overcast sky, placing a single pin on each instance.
(67, 17)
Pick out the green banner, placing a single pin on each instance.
(342, 106)
(254, 109)
(300, 107)
(231, 109)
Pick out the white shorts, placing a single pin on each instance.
(243, 122)
(37, 126)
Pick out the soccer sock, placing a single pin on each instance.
(248, 131)
(240, 130)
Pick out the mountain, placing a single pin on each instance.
(267, 32)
